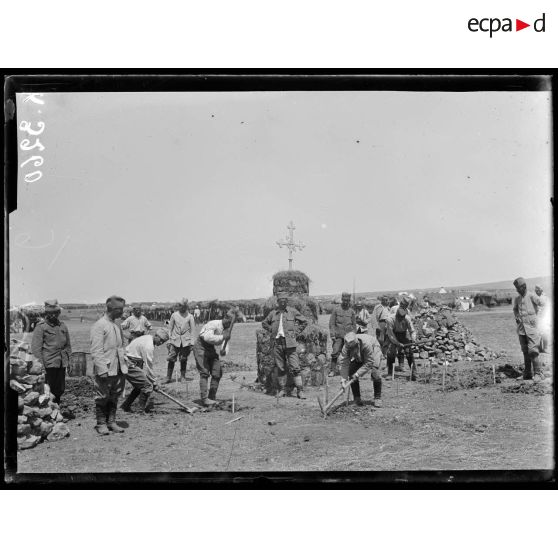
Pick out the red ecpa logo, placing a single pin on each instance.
(493, 25)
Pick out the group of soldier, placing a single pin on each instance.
(124, 350)
(118, 357)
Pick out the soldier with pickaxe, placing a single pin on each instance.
(361, 354)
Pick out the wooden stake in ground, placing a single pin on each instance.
(326, 387)
(233, 405)
(444, 375)
(494, 373)
(430, 372)
(348, 395)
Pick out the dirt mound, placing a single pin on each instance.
(79, 397)
(544, 387)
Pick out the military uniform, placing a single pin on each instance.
(525, 310)
(341, 322)
(51, 346)
(282, 325)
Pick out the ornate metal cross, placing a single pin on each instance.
(290, 243)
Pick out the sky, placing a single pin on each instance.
(159, 196)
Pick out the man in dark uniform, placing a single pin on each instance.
(400, 332)
(284, 324)
(51, 346)
(341, 322)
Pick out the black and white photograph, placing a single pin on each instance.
(269, 276)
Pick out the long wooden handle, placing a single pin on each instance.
(187, 409)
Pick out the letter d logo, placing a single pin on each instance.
(539, 24)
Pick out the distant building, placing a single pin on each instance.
(442, 291)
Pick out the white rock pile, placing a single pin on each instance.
(39, 417)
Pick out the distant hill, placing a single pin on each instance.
(507, 285)
(544, 282)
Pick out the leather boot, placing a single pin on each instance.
(127, 405)
(377, 392)
(527, 374)
(183, 364)
(100, 413)
(170, 369)
(203, 392)
(537, 372)
(146, 402)
(111, 423)
(389, 370)
(413, 372)
(282, 381)
(213, 387)
(299, 386)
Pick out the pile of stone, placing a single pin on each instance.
(39, 417)
(446, 339)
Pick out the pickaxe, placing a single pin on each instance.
(189, 410)
(345, 385)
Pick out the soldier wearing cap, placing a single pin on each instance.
(526, 306)
(379, 317)
(361, 353)
(109, 365)
(341, 322)
(400, 331)
(139, 353)
(284, 324)
(182, 332)
(137, 324)
(51, 346)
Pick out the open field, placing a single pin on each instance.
(420, 426)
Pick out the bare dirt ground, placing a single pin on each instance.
(420, 427)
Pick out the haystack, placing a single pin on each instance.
(292, 282)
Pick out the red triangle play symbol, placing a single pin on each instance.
(519, 25)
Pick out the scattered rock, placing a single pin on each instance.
(272, 422)
(23, 429)
(28, 443)
(31, 398)
(46, 429)
(306, 438)
(59, 432)
(20, 388)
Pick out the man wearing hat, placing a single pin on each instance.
(526, 306)
(139, 353)
(51, 347)
(361, 353)
(400, 331)
(362, 317)
(284, 324)
(182, 330)
(379, 317)
(109, 365)
(213, 334)
(341, 322)
(137, 324)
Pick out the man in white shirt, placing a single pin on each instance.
(136, 324)
(139, 353)
(211, 336)
(182, 330)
